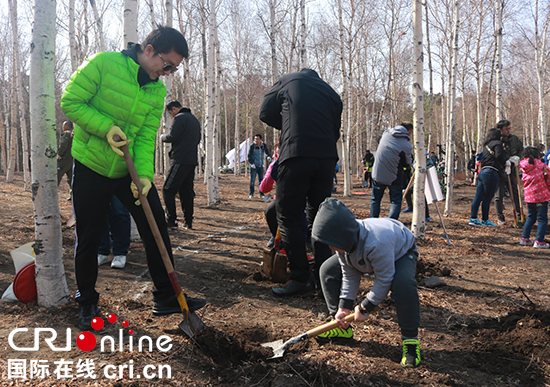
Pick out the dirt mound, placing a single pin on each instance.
(233, 347)
(524, 333)
(426, 269)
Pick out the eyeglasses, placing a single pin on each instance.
(167, 66)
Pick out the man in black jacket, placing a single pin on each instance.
(257, 153)
(308, 112)
(184, 135)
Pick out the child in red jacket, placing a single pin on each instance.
(536, 184)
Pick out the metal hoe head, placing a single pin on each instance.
(191, 324)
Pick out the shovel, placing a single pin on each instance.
(279, 347)
(191, 323)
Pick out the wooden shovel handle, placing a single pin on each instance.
(330, 325)
(151, 220)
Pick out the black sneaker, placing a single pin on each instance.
(295, 288)
(171, 305)
(187, 226)
(86, 313)
(411, 353)
(172, 225)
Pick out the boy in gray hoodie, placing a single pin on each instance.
(381, 246)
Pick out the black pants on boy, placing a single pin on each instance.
(92, 194)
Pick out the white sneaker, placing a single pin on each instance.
(102, 259)
(119, 261)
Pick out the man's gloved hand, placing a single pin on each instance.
(117, 144)
(146, 184)
(508, 168)
(268, 159)
(515, 160)
(253, 166)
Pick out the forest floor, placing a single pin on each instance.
(489, 325)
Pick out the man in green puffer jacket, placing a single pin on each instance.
(119, 93)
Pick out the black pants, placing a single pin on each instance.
(302, 183)
(92, 194)
(180, 180)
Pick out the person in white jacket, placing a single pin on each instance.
(384, 247)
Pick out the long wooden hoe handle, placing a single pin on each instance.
(330, 325)
(152, 223)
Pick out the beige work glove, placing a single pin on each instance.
(146, 184)
(117, 144)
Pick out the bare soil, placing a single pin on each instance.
(489, 325)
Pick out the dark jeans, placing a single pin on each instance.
(271, 219)
(396, 197)
(180, 180)
(65, 167)
(536, 212)
(92, 194)
(258, 171)
(116, 233)
(487, 183)
(302, 183)
(403, 290)
(499, 195)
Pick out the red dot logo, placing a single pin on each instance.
(86, 341)
(111, 318)
(125, 323)
(97, 323)
(131, 331)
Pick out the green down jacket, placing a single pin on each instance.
(104, 92)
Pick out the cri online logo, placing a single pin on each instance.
(86, 341)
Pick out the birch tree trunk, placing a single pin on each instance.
(430, 69)
(210, 93)
(452, 119)
(98, 26)
(72, 38)
(217, 111)
(18, 100)
(541, 61)
(498, 35)
(273, 45)
(50, 274)
(303, 32)
(418, 226)
(13, 128)
(344, 157)
(130, 23)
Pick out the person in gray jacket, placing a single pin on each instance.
(384, 247)
(394, 153)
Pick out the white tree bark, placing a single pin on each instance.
(210, 116)
(72, 38)
(498, 35)
(98, 26)
(303, 34)
(418, 226)
(541, 62)
(50, 274)
(130, 23)
(344, 136)
(450, 155)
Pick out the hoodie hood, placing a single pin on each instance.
(400, 131)
(335, 225)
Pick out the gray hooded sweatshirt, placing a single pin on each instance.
(372, 246)
(388, 154)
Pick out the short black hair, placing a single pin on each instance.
(173, 104)
(258, 135)
(492, 134)
(165, 40)
(503, 123)
(407, 125)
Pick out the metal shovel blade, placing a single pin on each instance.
(191, 324)
(277, 347)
